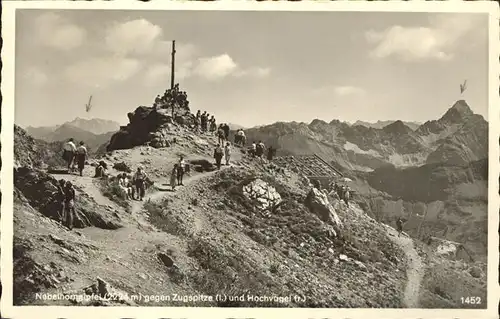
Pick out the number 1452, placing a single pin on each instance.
(471, 300)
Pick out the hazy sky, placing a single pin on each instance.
(250, 68)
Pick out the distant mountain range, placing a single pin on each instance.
(382, 124)
(93, 132)
(457, 138)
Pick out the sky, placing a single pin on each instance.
(251, 67)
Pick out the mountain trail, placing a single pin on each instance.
(415, 271)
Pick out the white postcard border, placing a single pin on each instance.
(7, 139)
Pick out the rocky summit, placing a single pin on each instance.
(259, 230)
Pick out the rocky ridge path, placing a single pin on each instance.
(136, 244)
(415, 271)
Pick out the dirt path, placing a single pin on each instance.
(415, 269)
(165, 190)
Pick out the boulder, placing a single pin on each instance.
(122, 167)
(142, 123)
(202, 165)
(166, 259)
(265, 196)
(475, 272)
(317, 202)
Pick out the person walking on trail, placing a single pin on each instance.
(81, 157)
(69, 204)
(227, 153)
(218, 154)
(260, 149)
(253, 149)
(173, 177)
(130, 187)
(226, 129)
(220, 135)
(240, 138)
(347, 196)
(399, 225)
(139, 181)
(180, 170)
(69, 150)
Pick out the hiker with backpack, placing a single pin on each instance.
(139, 182)
(69, 150)
(218, 154)
(69, 204)
(81, 157)
(240, 138)
(259, 150)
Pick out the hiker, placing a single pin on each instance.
(253, 149)
(100, 169)
(399, 225)
(60, 197)
(270, 153)
(259, 149)
(197, 119)
(69, 204)
(130, 187)
(213, 124)
(123, 184)
(226, 129)
(340, 190)
(220, 135)
(203, 121)
(239, 138)
(173, 177)
(180, 170)
(334, 190)
(218, 154)
(139, 180)
(81, 157)
(157, 102)
(227, 152)
(347, 196)
(69, 150)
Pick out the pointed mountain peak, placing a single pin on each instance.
(458, 112)
(397, 127)
(316, 122)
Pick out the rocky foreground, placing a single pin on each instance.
(251, 235)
